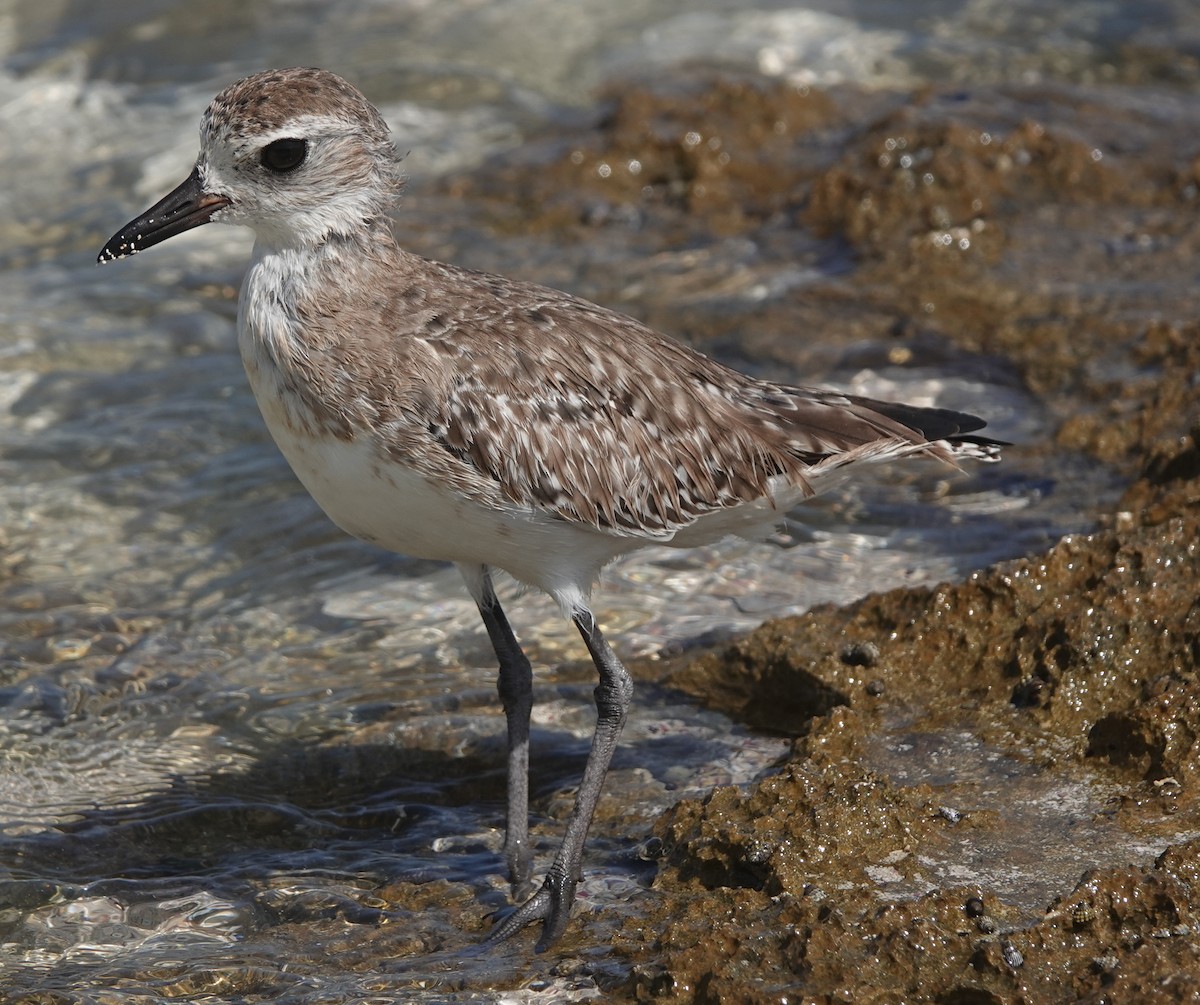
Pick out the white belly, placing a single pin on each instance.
(390, 505)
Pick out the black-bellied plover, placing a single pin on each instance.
(448, 414)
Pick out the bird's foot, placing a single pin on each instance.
(551, 905)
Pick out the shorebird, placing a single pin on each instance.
(453, 415)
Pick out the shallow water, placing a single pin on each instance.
(217, 713)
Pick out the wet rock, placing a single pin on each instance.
(791, 826)
(917, 179)
(1088, 649)
(1071, 637)
(729, 152)
(860, 654)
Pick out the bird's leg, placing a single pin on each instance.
(553, 901)
(516, 695)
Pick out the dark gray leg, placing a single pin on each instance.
(553, 901)
(516, 695)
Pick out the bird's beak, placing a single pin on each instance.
(186, 207)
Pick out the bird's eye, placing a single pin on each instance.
(284, 155)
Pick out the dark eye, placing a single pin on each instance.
(284, 155)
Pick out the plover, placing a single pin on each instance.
(453, 415)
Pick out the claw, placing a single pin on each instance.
(551, 905)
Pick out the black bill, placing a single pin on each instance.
(186, 207)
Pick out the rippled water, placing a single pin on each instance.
(217, 713)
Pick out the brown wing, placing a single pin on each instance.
(588, 414)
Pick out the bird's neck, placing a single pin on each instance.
(293, 293)
(368, 239)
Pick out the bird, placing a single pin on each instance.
(499, 425)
